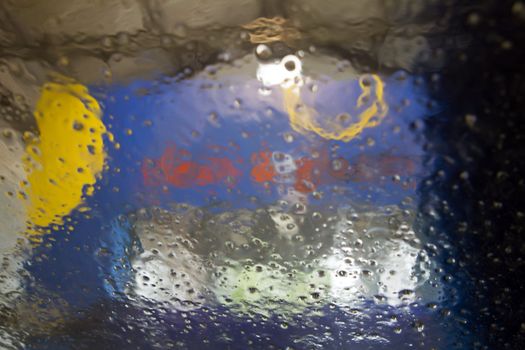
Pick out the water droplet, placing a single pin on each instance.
(418, 326)
(7, 133)
(263, 52)
(213, 118)
(337, 164)
(107, 42)
(519, 9)
(299, 208)
(63, 61)
(180, 30)
(298, 238)
(78, 126)
(91, 149)
(288, 137)
(166, 41)
(406, 293)
(123, 39)
(290, 65)
(343, 118)
(473, 19)
(317, 195)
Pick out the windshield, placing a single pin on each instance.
(261, 174)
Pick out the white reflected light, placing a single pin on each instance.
(285, 73)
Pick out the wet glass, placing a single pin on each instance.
(261, 174)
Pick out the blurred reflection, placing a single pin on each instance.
(65, 158)
(369, 110)
(268, 183)
(274, 218)
(284, 259)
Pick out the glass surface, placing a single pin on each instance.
(261, 174)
